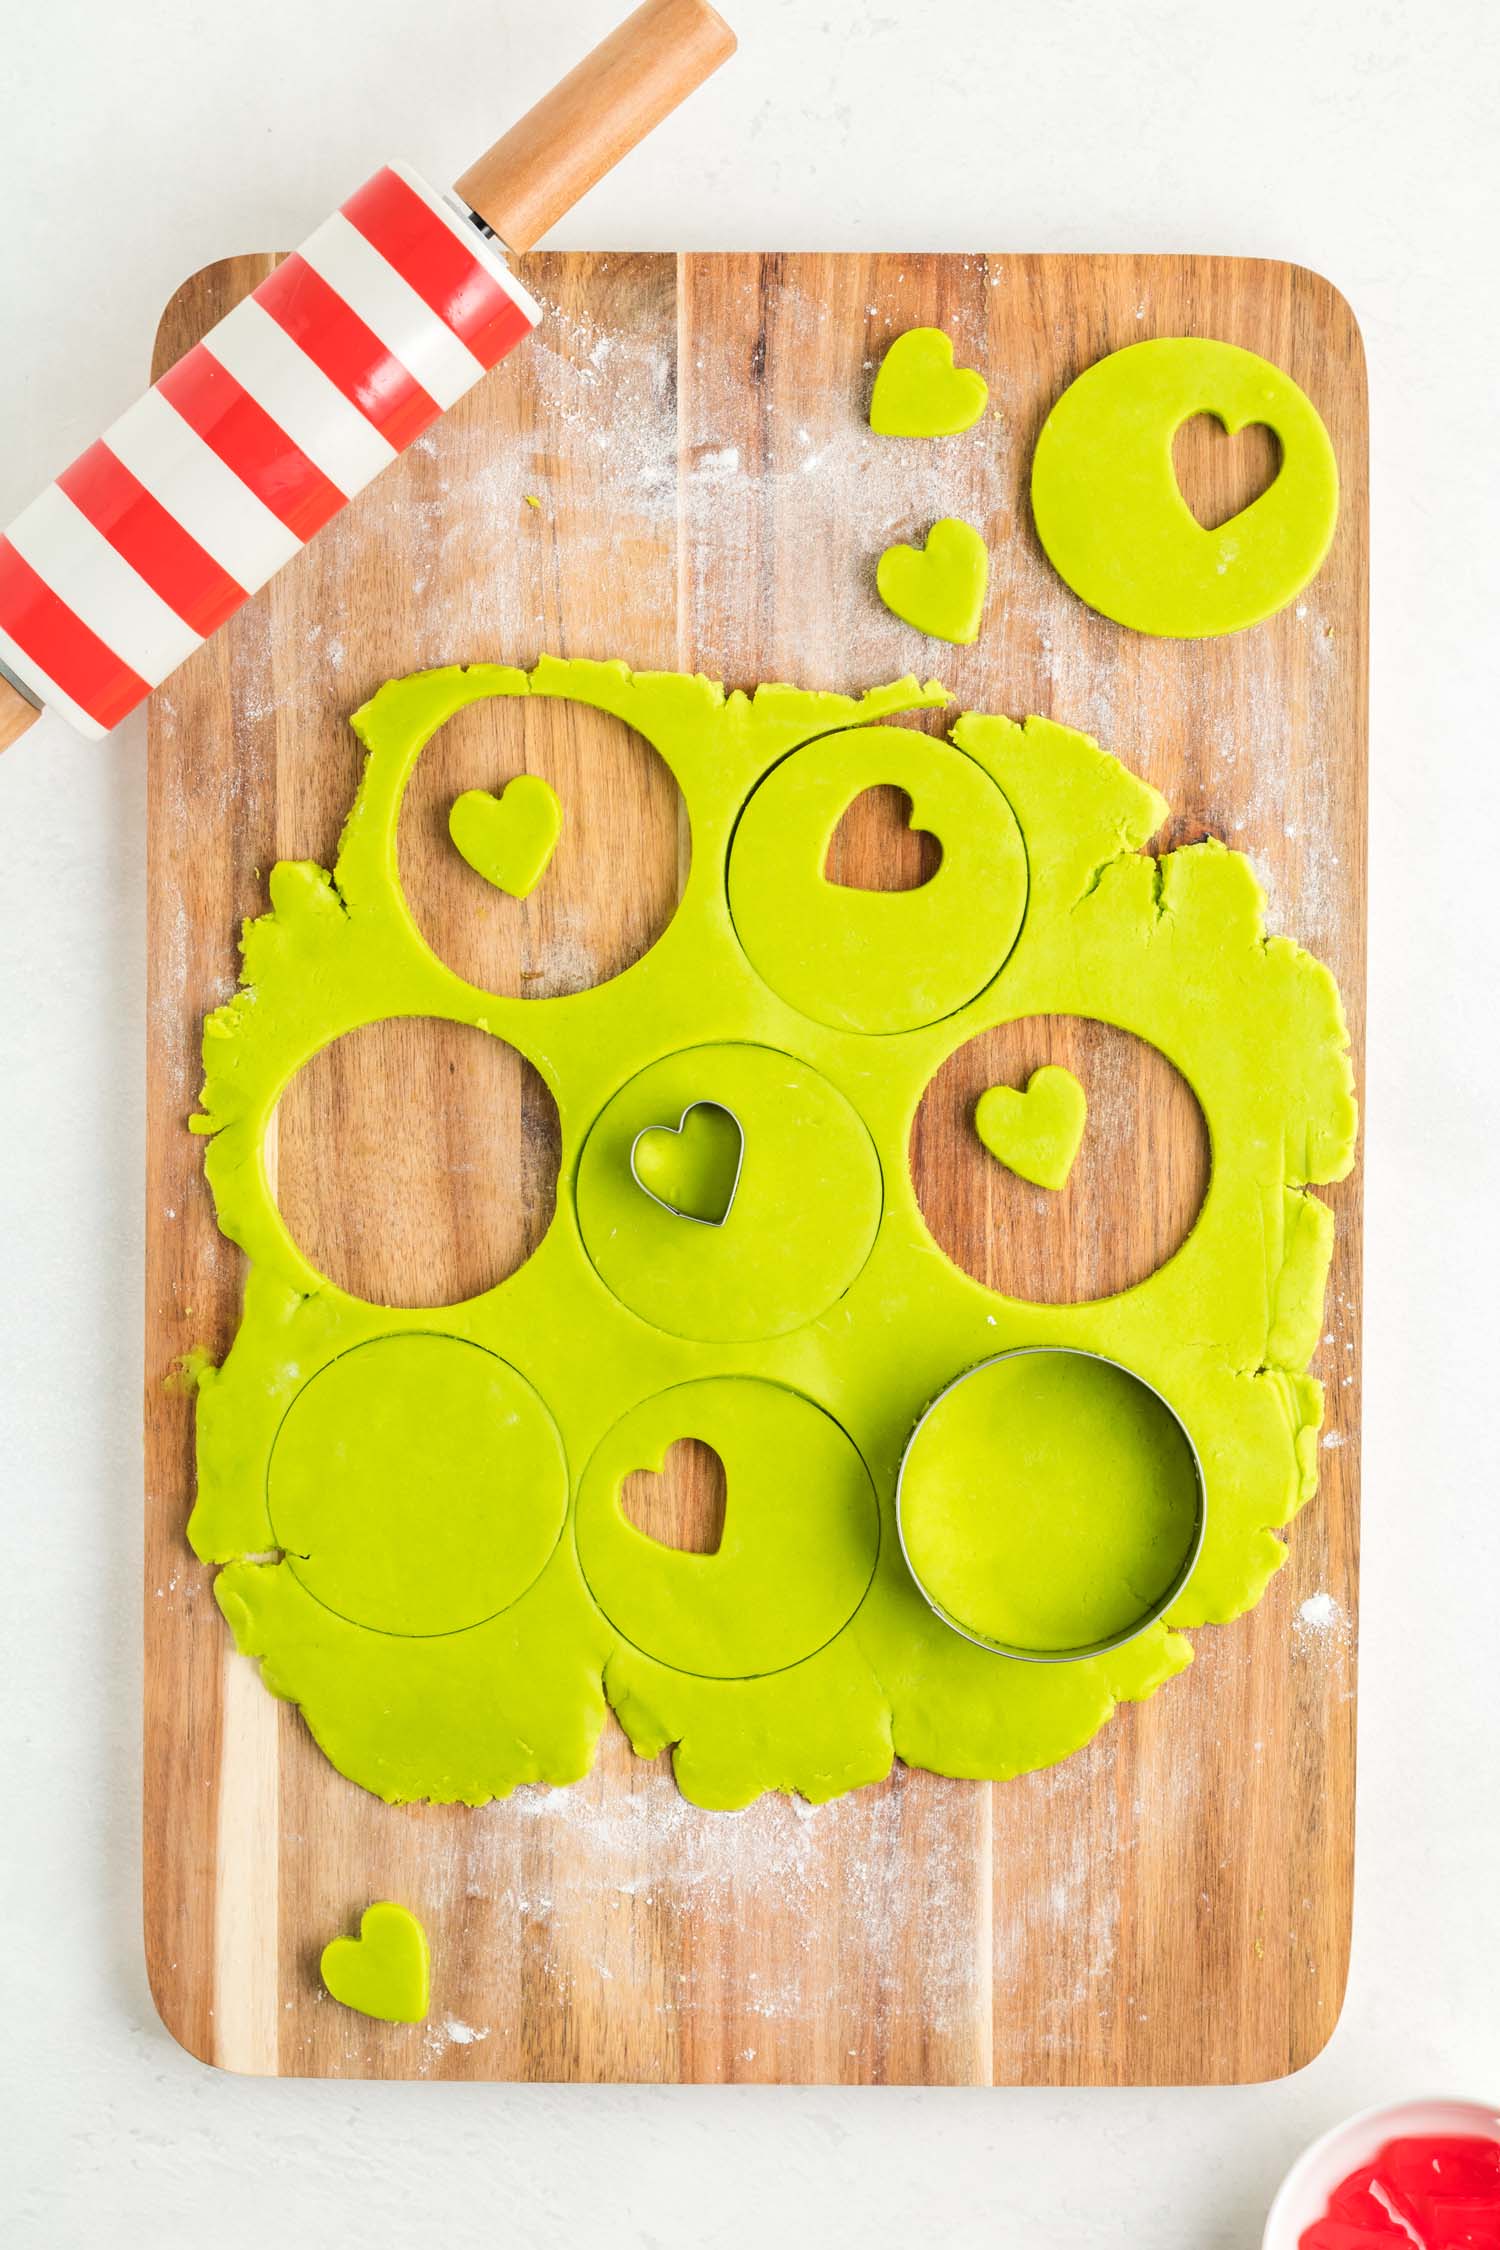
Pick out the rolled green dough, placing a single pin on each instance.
(444, 1637)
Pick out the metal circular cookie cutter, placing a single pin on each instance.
(1138, 1625)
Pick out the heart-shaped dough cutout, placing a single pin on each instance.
(510, 838)
(938, 588)
(382, 1972)
(1036, 1134)
(920, 393)
(692, 1168)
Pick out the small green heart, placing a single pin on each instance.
(510, 838)
(920, 393)
(382, 1972)
(939, 588)
(692, 1168)
(1036, 1134)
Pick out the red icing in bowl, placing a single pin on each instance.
(1434, 2192)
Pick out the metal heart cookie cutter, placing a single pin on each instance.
(1150, 1615)
(678, 1210)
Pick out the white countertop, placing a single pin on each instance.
(1356, 136)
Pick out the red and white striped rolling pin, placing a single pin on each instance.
(308, 389)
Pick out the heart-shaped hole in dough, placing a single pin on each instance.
(876, 848)
(683, 1506)
(1220, 475)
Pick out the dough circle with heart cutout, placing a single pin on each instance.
(805, 1210)
(801, 1531)
(1110, 512)
(417, 1485)
(878, 961)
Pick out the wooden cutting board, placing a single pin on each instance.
(1172, 1904)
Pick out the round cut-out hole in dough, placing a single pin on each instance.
(876, 847)
(800, 1540)
(1049, 1503)
(417, 1485)
(621, 807)
(804, 1215)
(415, 1161)
(683, 1506)
(1133, 1190)
(877, 960)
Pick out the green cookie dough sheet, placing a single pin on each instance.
(417, 1513)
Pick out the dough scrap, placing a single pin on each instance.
(1224, 1329)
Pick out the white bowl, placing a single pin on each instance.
(1303, 2195)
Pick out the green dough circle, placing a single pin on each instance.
(804, 1216)
(417, 1485)
(1049, 1503)
(1112, 518)
(877, 961)
(801, 1532)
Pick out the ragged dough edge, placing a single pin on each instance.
(1084, 819)
(431, 1741)
(1180, 895)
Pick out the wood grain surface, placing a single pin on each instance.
(1171, 1904)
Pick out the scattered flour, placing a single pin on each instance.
(462, 2034)
(1322, 1619)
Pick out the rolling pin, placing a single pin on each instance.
(308, 389)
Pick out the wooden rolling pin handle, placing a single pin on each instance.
(17, 713)
(630, 82)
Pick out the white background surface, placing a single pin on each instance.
(142, 141)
